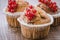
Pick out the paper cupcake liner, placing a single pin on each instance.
(12, 21)
(12, 18)
(35, 31)
(56, 21)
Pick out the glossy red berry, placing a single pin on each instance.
(11, 10)
(27, 14)
(45, 2)
(30, 13)
(34, 11)
(50, 4)
(11, 0)
(28, 10)
(12, 5)
(54, 4)
(31, 7)
(49, 1)
(29, 18)
(55, 9)
(41, 0)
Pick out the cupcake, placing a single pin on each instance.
(51, 8)
(13, 11)
(35, 23)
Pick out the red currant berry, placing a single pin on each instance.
(11, 10)
(49, 0)
(27, 14)
(12, 5)
(31, 15)
(31, 7)
(29, 18)
(41, 1)
(45, 2)
(28, 10)
(11, 0)
(50, 5)
(34, 11)
(54, 4)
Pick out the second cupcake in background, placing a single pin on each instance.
(51, 8)
(35, 23)
(13, 10)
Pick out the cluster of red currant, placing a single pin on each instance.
(30, 12)
(50, 4)
(12, 5)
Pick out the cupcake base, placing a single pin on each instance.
(12, 21)
(34, 32)
(56, 21)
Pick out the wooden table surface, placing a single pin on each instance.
(8, 33)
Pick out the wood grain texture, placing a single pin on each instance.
(8, 33)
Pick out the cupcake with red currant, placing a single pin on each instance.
(13, 11)
(35, 23)
(51, 8)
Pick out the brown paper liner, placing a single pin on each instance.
(56, 21)
(34, 32)
(12, 21)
